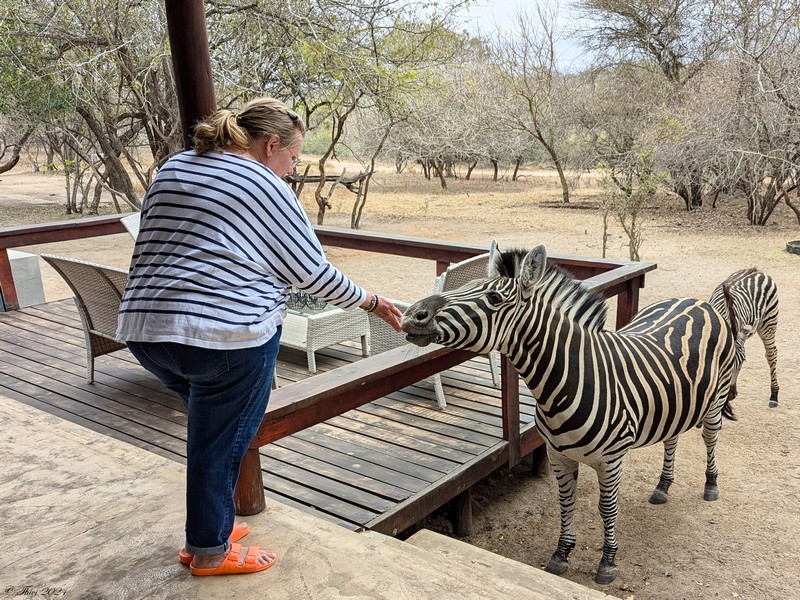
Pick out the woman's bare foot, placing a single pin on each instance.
(214, 560)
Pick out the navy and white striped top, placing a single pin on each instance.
(221, 239)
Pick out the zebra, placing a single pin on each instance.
(599, 393)
(748, 299)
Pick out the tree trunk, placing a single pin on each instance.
(426, 167)
(563, 179)
(98, 192)
(760, 205)
(438, 166)
(495, 168)
(692, 195)
(470, 168)
(17, 149)
(118, 178)
(517, 164)
(318, 192)
(795, 209)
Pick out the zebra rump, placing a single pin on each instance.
(748, 300)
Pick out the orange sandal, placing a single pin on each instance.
(238, 532)
(231, 565)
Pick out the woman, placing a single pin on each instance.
(222, 239)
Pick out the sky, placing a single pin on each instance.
(487, 16)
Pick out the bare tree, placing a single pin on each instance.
(678, 36)
(529, 61)
(112, 60)
(739, 122)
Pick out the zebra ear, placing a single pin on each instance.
(533, 267)
(494, 252)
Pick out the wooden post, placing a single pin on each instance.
(509, 400)
(461, 513)
(8, 291)
(628, 301)
(249, 493)
(541, 463)
(191, 63)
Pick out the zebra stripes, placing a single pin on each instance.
(599, 393)
(748, 300)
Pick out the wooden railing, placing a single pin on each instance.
(316, 399)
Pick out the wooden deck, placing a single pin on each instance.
(382, 466)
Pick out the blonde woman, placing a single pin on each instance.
(222, 239)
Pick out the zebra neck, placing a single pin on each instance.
(552, 359)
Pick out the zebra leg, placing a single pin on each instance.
(771, 351)
(661, 494)
(609, 474)
(712, 423)
(566, 472)
(738, 360)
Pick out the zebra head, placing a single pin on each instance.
(479, 315)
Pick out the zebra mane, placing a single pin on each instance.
(509, 262)
(581, 303)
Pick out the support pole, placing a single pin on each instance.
(191, 63)
(249, 493)
(461, 513)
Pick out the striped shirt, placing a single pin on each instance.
(221, 240)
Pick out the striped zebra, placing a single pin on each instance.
(748, 299)
(599, 393)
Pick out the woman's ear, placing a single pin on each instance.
(270, 144)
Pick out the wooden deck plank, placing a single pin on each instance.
(340, 467)
(323, 483)
(374, 450)
(429, 443)
(26, 360)
(383, 464)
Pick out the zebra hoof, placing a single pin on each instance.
(605, 574)
(557, 566)
(711, 492)
(659, 496)
(773, 403)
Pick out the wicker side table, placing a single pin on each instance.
(310, 330)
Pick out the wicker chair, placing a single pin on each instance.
(131, 223)
(382, 338)
(463, 272)
(98, 292)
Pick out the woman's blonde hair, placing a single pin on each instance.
(259, 118)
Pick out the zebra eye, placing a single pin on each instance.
(494, 298)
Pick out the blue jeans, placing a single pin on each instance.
(226, 394)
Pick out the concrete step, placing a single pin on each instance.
(99, 518)
(484, 565)
(493, 586)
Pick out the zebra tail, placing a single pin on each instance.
(727, 410)
(726, 292)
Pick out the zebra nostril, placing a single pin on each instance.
(421, 316)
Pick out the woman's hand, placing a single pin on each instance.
(384, 309)
(387, 311)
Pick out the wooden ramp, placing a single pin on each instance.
(383, 466)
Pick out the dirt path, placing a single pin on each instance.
(745, 545)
